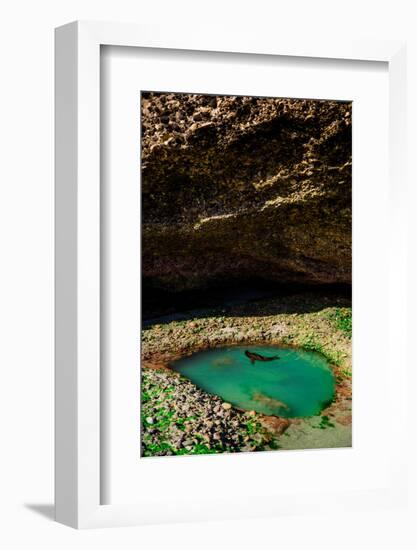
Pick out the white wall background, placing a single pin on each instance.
(26, 272)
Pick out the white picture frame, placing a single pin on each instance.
(78, 320)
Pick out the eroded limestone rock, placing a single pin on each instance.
(236, 187)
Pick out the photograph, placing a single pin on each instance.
(208, 266)
(246, 273)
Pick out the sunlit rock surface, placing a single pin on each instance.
(239, 187)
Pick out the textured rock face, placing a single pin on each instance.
(240, 187)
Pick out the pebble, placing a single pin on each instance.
(198, 419)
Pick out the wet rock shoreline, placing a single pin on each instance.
(185, 420)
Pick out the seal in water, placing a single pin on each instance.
(257, 357)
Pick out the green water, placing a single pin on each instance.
(299, 383)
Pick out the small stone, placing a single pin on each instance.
(247, 448)
(149, 420)
(226, 406)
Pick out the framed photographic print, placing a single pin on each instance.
(228, 324)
